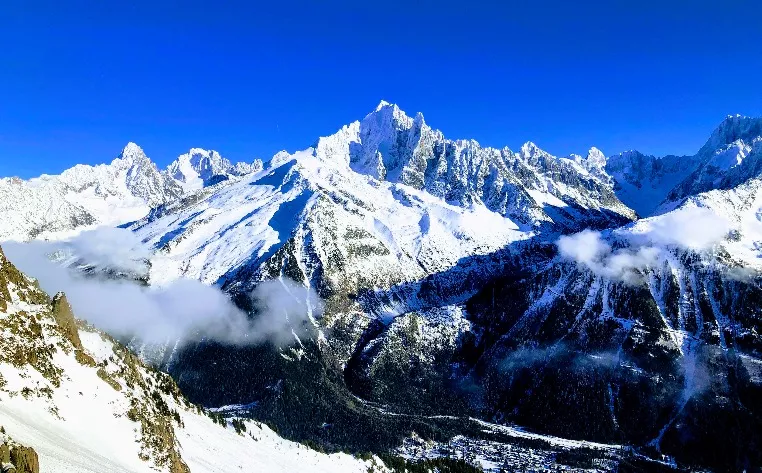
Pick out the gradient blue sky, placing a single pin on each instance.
(248, 78)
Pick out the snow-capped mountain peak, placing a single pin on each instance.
(530, 150)
(732, 129)
(105, 194)
(731, 156)
(132, 153)
(388, 115)
(387, 217)
(652, 184)
(196, 168)
(382, 104)
(596, 158)
(200, 167)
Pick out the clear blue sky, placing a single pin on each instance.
(80, 79)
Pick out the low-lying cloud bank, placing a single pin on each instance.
(184, 310)
(648, 241)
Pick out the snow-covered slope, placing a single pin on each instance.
(437, 263)
(87, 405)
(107, 194)
(741, 208)
(382, 232)
(125, 190)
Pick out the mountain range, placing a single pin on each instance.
(107, 194)
(466, 290)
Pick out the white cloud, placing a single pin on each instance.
(589, 249)
(283, 308)
(112, 248)
(182, 310)
(693, 228)
(696, 229)
(585, 247)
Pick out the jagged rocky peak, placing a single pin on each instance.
(731, 156)
(731, 143)
(132, 158)
(132, 153)
(652, 184)
(390, 114)
(596, 158)
(242, 168)
(143, 178)
(733, 128)
(388, 140)
(197, 167)
(530, 152)
(106, 194)
(594, 162)
(389, 145)
(630, 161)
(200, 167)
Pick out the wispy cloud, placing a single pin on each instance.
(645, 244)
(182, 310)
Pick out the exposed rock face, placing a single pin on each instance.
(608, 361)
(86, 403)
(32, 339)
(16, 458)
(64, 317)
(12, 280)
(67, 324)
(143, 179)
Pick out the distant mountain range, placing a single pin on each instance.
(457, 286)
(107, 194)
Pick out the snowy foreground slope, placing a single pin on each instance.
(85, 404)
